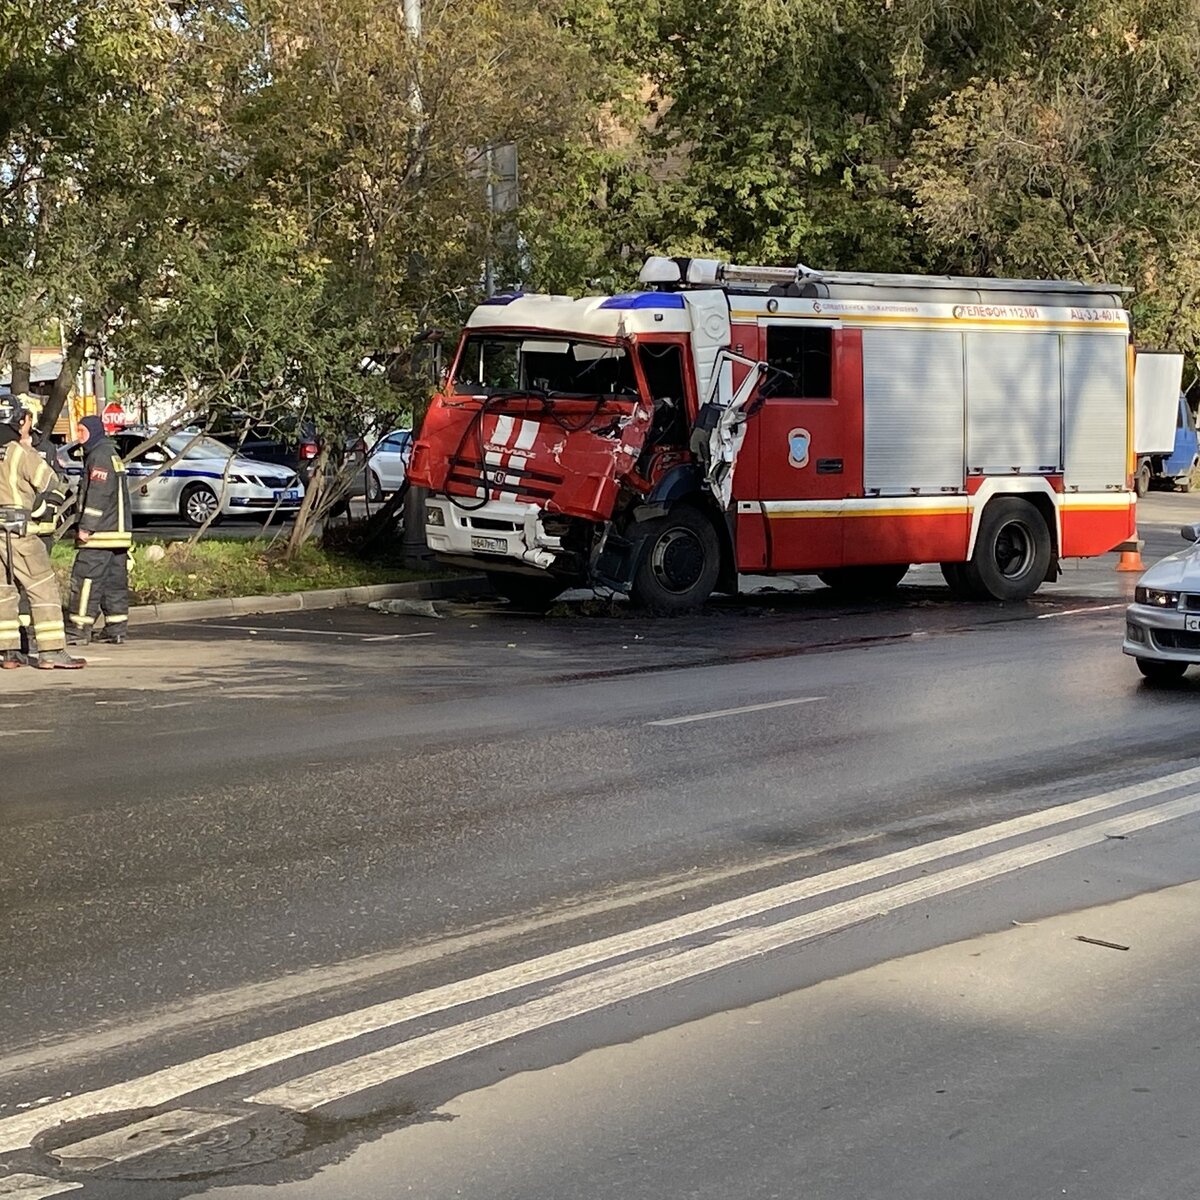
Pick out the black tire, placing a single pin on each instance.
(1158, 671)
(1012, 552)
(1141, 479)
(531, 592)
(374, 488)
(197, 503)
(866, 582)
(952, 573)
(679, 562)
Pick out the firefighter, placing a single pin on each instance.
(100, 576)
(28, 490)
(46, 526)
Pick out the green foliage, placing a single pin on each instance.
(237, 201)
(216, 568)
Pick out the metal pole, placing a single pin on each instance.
(414, 551)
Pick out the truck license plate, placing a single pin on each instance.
(491, 545)
(1191, 624)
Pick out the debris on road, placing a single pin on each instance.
(1091, 941)
(407, 608)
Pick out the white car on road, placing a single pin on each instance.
(1162, 625)
(388, 465)
(200, 476)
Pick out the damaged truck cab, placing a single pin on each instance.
(559, 455)
(739, 419)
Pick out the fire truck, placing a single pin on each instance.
(733, 419)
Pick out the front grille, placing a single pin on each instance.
(1189, 602)
(492, 524)
(521, 483)
(270, 481)
(1176, 639)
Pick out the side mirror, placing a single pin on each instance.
(1190, 533)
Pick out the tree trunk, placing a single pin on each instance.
(21, 368)
(61, 387)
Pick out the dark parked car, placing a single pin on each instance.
(297, 448)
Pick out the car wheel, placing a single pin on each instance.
(198, 504)
(679, 562)
(1012, 552)
(1159, 671)
(526, 591)
(374, 487)
(866, 582)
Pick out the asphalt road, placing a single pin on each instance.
(356, 904)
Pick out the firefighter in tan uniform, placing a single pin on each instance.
(45, 526)
(29, 489)
(100, 576)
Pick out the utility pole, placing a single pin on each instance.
(414, 550)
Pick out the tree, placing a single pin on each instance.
(1079, 162)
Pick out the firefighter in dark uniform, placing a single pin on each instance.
(28, 489)
(100, 576)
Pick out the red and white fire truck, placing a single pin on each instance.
(733, 419)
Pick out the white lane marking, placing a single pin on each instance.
(627, 981)
(735, 712)
(169, 1083)
(34, 1187)
(256, 629)
(394, 637)
(261, 997)
(132, 1141)
(1075, 612)
(21, 732)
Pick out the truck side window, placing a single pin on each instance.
(806, 354)
(663, 369)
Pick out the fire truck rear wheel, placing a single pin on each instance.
(864, 581)
(526, 591)
(1012, 552)
(680, 562)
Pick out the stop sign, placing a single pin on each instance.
(114, 417)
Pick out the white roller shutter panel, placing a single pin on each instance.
(1094, 411)
(912, 410)
(1014, 403)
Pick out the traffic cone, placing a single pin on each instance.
(1131, 554)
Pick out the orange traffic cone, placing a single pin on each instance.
(1131, 554)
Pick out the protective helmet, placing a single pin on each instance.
(14, 408)
(12, 412)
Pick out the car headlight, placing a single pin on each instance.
(1155, 598)
(435, 516)
(237, 479)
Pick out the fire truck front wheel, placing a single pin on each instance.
(1012, 552)
(679, 563)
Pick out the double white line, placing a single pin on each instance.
(619, 968)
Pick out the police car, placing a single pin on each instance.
(199, 477)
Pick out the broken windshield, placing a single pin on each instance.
(549, 368)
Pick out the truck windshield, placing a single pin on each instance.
(542, 366)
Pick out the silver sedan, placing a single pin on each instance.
(196, 478)
(1162, 625)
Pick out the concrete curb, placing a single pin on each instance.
(244, 606)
